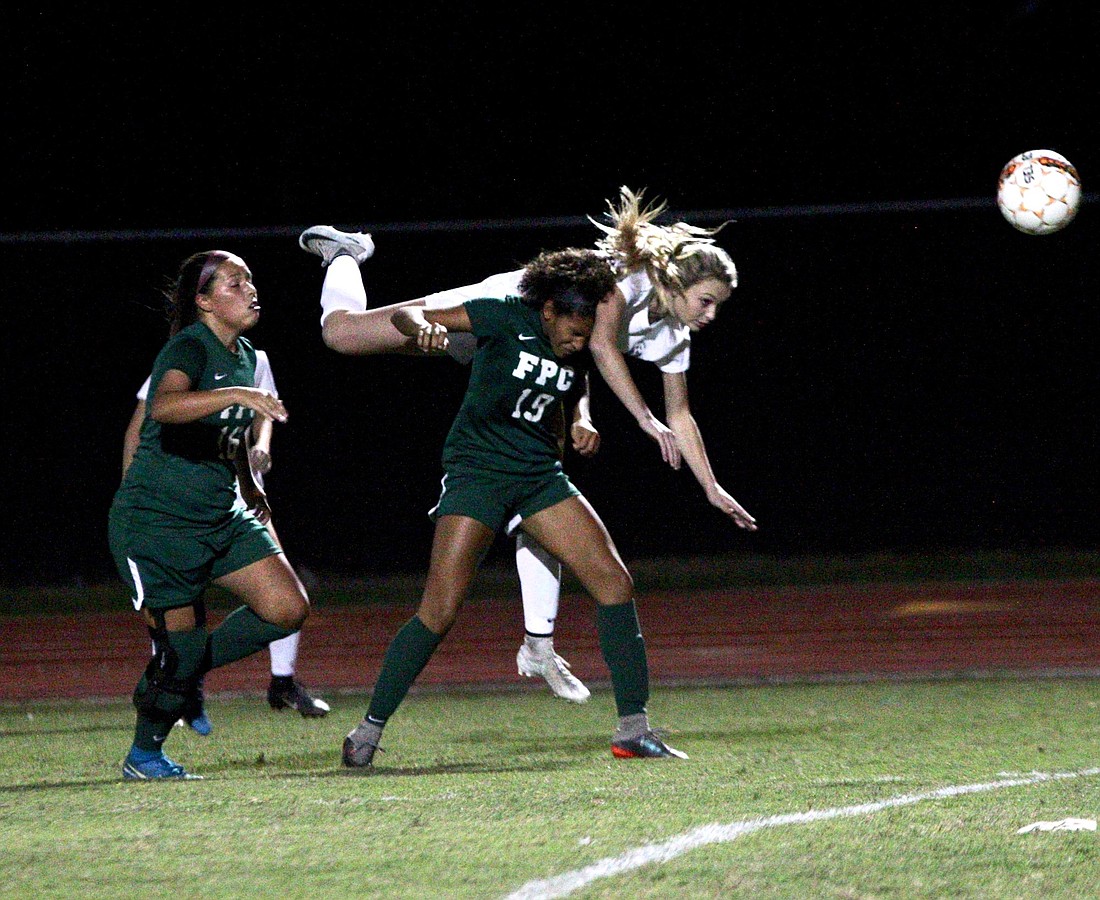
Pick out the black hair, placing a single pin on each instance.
(574, 279)
(193, 278)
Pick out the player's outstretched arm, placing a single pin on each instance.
(430, 326)
(175, 403)
(604, 345)
(695, 452)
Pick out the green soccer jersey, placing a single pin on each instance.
(187, 472)
(506, 421)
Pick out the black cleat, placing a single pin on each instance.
(286, 693)
(645, 745)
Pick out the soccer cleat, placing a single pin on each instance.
(194, 714)
(158, 767)
(646, 745)
(360, 746)
(328, 243)
(540, 659)
(199, 724)
(286, 693)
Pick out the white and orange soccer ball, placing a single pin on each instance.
(1039, 192)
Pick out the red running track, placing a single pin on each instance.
(845, 631)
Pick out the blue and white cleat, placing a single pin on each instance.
(194, 714)
(159, 766)
(200, 724)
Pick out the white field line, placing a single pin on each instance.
(563, 885)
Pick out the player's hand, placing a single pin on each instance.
(719, 498)
(263, 402)
(665, 438)
(260, 460)
(262, 511)
(586, 439)
(256, 501)
(432, 337)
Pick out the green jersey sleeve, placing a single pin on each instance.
(187, 354)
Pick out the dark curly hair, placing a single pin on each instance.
(575, 279)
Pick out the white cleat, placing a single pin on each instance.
(328, 243)
(540, 659)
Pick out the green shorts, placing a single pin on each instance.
(169, 563)
(498, 500)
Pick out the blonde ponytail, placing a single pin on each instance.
(673, 256)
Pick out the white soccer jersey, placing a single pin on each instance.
(265, 378)
(666, 343)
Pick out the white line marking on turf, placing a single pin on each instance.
(563, 885)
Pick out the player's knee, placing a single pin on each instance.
(337, 333)
(301, 613)
(291, 613)
(174, 674)
(438, 612)
(615, 586)
(333, 336)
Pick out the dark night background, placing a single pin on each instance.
(893, 374)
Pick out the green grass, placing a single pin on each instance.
(480, 793)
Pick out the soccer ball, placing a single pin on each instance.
(1039, 192)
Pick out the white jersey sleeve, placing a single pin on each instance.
(461, 345)
(504, 284)
(265, 378)
(666, 342)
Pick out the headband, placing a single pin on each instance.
(214, 258)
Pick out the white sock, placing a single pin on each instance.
(540, 585)
(284, 654)
(343, 287)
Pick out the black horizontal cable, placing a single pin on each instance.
(701, 216)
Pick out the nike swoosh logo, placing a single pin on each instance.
(218, 377)
(526, 337)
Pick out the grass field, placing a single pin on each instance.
(814, 791)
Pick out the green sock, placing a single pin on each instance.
(150, 734)
(623, 650)
(242, 634)
(159, 708)
(405, 658)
